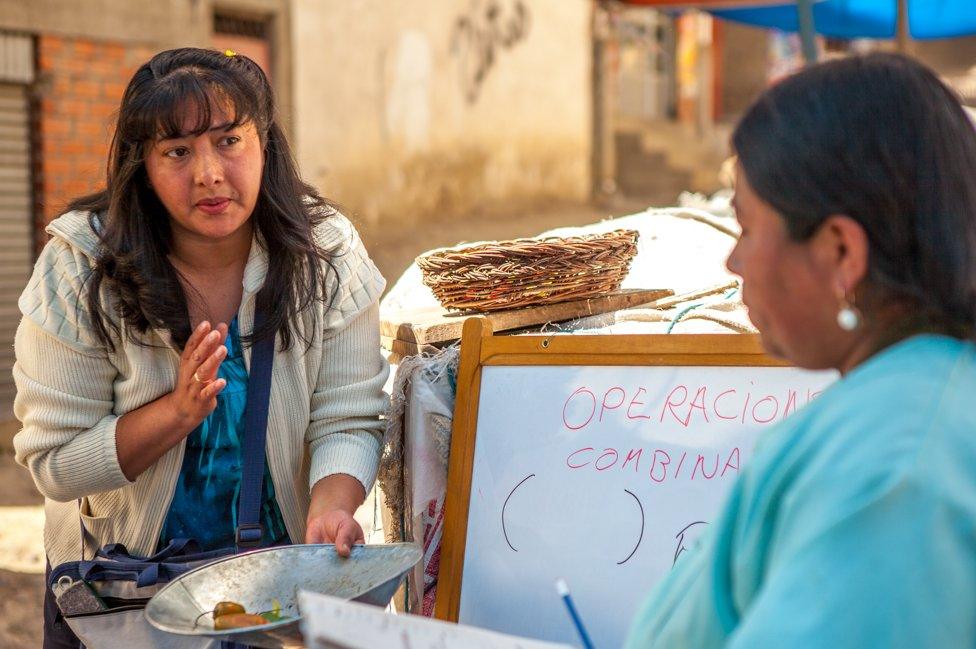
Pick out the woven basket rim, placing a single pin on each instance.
(480, 246)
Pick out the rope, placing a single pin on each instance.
(682, 313)
(701, 218)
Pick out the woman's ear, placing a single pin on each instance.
(841, 246)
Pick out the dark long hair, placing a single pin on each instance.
(133, 226)
(881, 139)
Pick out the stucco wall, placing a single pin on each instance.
(161, 23)
(408, 108)
(153, 24)
(143, 21)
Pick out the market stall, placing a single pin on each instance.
(680, 253)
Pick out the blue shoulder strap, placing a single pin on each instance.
(249, 529)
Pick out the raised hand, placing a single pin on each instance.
(197, 385)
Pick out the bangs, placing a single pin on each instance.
(185, 103)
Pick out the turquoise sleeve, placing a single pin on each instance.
(896, 572)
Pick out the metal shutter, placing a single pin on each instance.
(16, 222)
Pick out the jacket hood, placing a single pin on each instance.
(75, 229)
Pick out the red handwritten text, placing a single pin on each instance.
(684, 405)
(658, 464)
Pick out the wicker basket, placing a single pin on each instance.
(525, 272)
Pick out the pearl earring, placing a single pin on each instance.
(848, 317)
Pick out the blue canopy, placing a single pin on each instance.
(927, 19)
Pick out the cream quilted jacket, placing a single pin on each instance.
(325, 405)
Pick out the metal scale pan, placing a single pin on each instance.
(371, 574)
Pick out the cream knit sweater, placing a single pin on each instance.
(324, 413)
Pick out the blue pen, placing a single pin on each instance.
(563, 591)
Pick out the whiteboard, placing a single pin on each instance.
(603, 476)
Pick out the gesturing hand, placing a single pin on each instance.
(197, 385)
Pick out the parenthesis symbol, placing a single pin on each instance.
(639, 538)
(504, 529)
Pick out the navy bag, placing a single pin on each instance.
(102, 599)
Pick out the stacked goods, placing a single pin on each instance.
(524, 272)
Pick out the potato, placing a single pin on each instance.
(237, 621)
(227, 608)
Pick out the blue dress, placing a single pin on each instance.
(204, 505)
(853, 526)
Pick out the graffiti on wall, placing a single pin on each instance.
(487, 28)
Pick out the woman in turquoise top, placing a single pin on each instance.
(855, 523)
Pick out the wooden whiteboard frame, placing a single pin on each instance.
(479, 348)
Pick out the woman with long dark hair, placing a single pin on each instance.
(138, 324)
(854, 525)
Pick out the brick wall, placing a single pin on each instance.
(80, 85)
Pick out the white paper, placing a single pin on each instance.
(332, 623)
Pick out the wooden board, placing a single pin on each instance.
(435, 324)
(400, 349)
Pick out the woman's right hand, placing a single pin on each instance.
(145, 434)
(197, 385)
